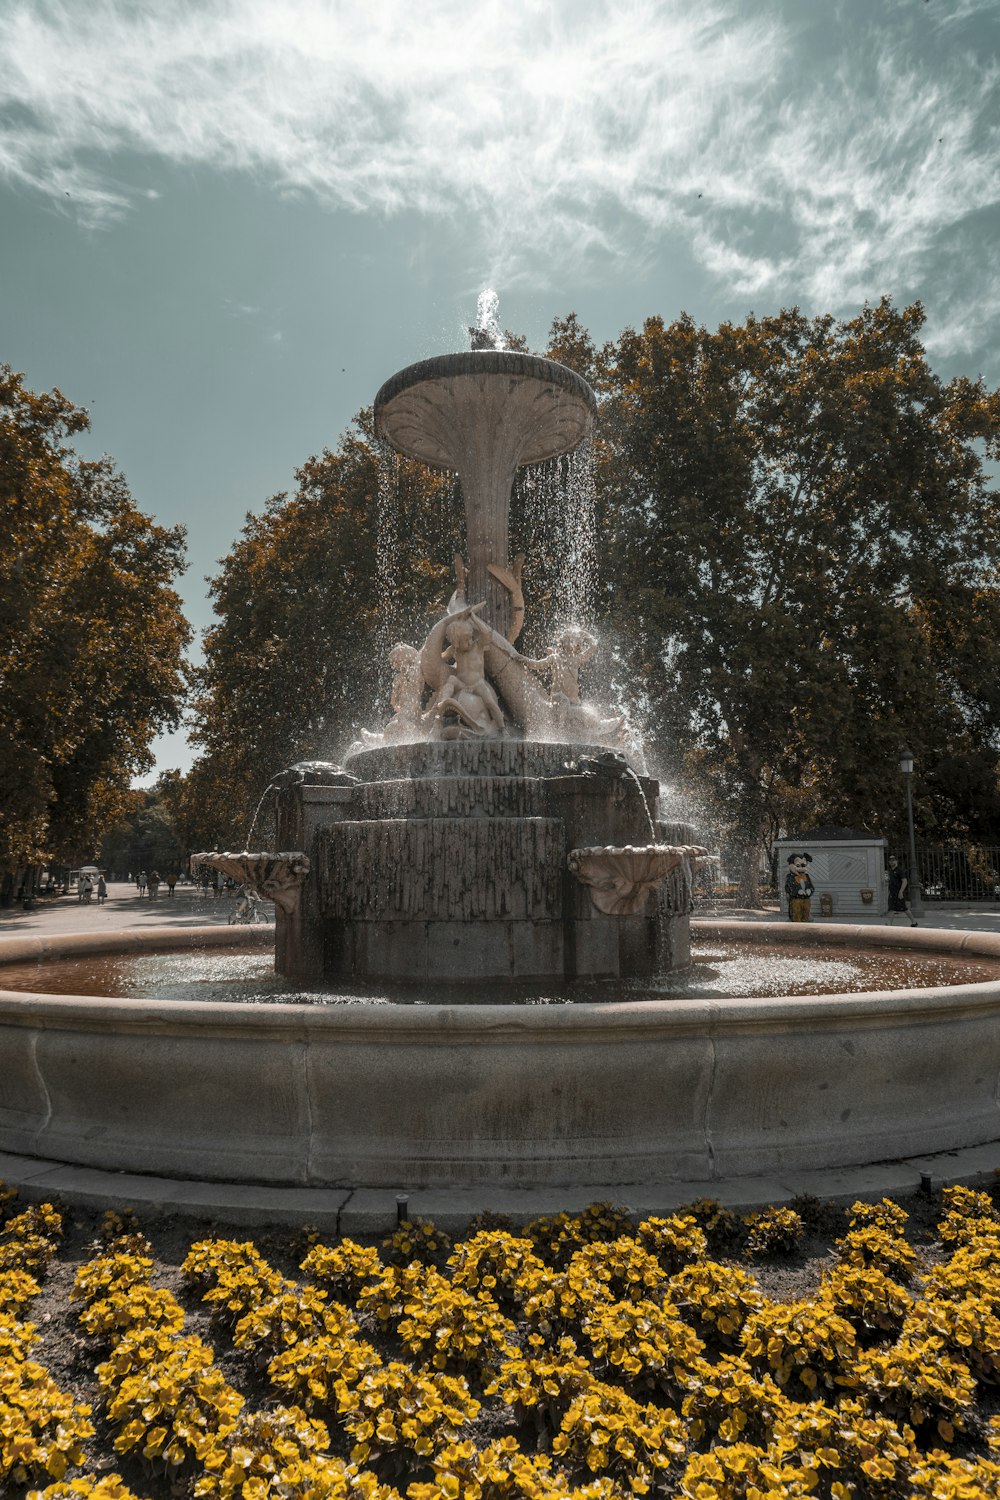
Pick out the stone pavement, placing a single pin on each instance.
(967, 916)
(374, 1211)
(124, 909)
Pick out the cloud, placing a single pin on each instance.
(822, 165)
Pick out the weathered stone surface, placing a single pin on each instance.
(448, 869)
(470, 758)
(397, 1096)
(482, 415)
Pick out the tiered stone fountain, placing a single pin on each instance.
(493, 830)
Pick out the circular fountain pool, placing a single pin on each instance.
(629, 1091)
(719, 971)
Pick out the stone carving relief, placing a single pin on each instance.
(275, 877)
(620, 879)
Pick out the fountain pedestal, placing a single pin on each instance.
(450, 860)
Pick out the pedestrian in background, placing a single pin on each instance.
(171, 882)
(140, 881)
(899, 892)
(102, 890)
(154, 885)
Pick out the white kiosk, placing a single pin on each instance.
(847, 871)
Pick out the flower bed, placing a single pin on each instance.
(805, 1353)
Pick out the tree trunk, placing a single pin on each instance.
(748, 868)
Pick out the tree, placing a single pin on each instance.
(145, 839)
(91, 633)
(813, 553)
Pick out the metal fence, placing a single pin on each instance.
(960, 874)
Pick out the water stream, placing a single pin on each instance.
(628, 771)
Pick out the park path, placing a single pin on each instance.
(188, 907)
(124, 909)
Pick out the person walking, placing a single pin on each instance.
(899, 892)
(140, 881)
(102, 890)
(154, 884)
(171, 882)
(86, 889)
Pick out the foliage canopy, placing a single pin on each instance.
(91, 633)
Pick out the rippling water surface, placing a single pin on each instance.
(719, 971)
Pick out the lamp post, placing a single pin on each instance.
(906, 766)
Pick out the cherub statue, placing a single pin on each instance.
(570, 716)
(464, 705)
(404, 698)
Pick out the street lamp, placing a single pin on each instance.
(906, 766)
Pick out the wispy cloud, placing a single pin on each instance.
(549, 130)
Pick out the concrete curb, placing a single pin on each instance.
(374, 1210)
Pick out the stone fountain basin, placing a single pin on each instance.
(398, 1096)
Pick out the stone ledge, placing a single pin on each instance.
(373, 1210)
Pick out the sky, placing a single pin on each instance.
(224, 223)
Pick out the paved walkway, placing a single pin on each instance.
(124, 908)
(968, 916)
(188, 907)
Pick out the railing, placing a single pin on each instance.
(960, 874)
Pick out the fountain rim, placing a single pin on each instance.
(475, 363)
(137, 1012)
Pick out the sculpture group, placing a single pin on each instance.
(443, 690)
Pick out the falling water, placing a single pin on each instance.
(386, 550)
(272, 786)
(577, 579)
(645, 806)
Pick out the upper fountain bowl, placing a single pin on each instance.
(423, 410)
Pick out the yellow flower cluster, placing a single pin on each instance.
(42, 1429)
(344, 1268)
(84, 1487)
(675, 1241)
(317, 1370)
(875, 1238)
(869, 1299)
(30, 1239)
(717, 1298)
(721, 1227)
(233, 1278)
(607, 1432)
(416, 1239)
(557, 1236)
(773, 1231)
(500, 1264)
(397, 1410)
(969, 1215)
(501, 1471)
(804, 1342)
(444, 1323)
(645, 1345)
(631, 1361)
(540, 1381)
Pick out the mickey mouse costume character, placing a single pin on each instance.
(798, 887)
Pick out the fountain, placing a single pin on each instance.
(493, 832)
(494, 828)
